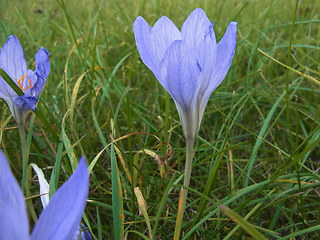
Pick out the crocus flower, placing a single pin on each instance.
(59, 220)
(13, 62)
(189, 63)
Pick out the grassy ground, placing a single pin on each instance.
(257, 151)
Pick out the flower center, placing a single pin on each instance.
(21, 80)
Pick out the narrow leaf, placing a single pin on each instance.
(143, 208)
(248, 227)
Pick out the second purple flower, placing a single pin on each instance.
(189, 63)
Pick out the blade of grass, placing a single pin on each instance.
(117, 198)
(54, 179)
(242, 222)
(143, 208)
(68, 146)
(312, 79)
(261, 136)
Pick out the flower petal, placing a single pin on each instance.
(44, 186)
(12, 61)
(224, 55)
(152, 43)
(207, 55)
(163, 33)
(61, 218)
(12, 58)
(13, 214)
(42, 70)
(179, 73)
(195, 28)
(142, 31)
(25, 103)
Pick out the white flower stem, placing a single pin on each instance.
(184, 190)
(22, 134)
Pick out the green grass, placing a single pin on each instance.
(257, 151)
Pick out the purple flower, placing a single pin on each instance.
(189, 63)
(59, 220)
(13, 62)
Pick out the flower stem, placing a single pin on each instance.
(22, 134)
(184, 190)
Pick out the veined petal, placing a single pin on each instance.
(13, 214)
(224, 55)
(42, 70)
(163, 33)
(225, 52)
(12, 58)
(179, 73)
(42, 62)
(61, 218)
(142, 32)
(196, 27)
(25, 103)
(207, 55)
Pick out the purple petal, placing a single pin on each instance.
(195, 28)
(152, 43)
(26, 103)
(224, 54)
(207, 55)
(12, 58)
(179, 73)
(42, 70)
(61, 218)
(226, 50)
(142, 31)
(163, 33)
(13, 214)
(42, 62)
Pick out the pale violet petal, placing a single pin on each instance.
(5, 90)
(207, 59)
(224, 54)
(196, 26)
(42, 71)
(44, 186)
(163, 33)
(61, 218)
(12, 58)
(179, 73)
(25, 103)
(13, 213)
(142, 31)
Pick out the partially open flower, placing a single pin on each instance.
(13, 62)
(189, 63)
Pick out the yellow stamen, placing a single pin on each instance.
(21, 80)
